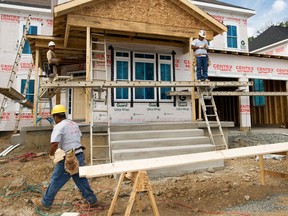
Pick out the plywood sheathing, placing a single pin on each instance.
(158, 12)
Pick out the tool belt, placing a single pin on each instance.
(71, 164)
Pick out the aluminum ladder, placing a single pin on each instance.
(24, 94)
(15, 65)
(100, 152)
(211, 118)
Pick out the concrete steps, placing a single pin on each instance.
(140, 141)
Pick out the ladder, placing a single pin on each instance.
(211, 118)
(100, 152)
(24, 94)
(15, 66)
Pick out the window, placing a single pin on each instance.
(165, 65)
(30, 90)
(232, 36)
(258, 86)
(144, 71)
(122, 73)
(32, 31)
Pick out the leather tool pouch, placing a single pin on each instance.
(71, 164)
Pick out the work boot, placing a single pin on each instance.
(38, 204)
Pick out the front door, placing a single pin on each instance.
(79, 102)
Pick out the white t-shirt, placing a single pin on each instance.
(68, 134)
(198, 42)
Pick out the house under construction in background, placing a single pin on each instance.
(130, 63)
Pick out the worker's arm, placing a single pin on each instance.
(52, 60)
(53, 148)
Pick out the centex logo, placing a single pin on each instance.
(245, 69)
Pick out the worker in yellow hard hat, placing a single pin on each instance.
(52, 59)
(66, 136)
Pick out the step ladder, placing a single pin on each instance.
(24, 94)
(100, 152)
(15, 65)
(211, 118)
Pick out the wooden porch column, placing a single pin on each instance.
(88, 71)
(36, 86)
(192, 70)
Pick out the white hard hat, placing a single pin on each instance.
(202, 33)
(51, 43)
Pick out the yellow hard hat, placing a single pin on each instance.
(58, 109)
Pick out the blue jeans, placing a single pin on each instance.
(60, 177)
(202, 67)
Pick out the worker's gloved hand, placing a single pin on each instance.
(52, 157)
(201, 47)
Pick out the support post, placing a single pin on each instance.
(244, 108)
(36, 87)
(88, 75)
(192, 70)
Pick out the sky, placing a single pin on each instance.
(267, 12)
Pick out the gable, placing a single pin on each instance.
(178, 18)
(161, 12)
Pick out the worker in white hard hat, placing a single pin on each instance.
(66, 136)
(52, 59)
(200, 46)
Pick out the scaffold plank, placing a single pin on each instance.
(16, 96)
(229, 93)
(129, 84)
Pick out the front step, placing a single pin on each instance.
(160, 142)
(142, 153)
(150, 134)
(153, 126)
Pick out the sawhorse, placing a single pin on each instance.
(141, 183)
(264, 172)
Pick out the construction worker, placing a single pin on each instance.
(53, 61)
(66, 136)
(200, 47)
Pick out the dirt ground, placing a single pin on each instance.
(234, 190)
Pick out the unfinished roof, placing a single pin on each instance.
(271, 36)
(215, 2)
(29, 3)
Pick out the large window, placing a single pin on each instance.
(144, 65)
(122, 73)
(165, 65)
(30, 89)
(32, 31)
(232, 36)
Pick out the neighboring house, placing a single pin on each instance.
(140, 50)
(14, 14)
(273, 41)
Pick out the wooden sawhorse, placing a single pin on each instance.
(141, 183)
(264, 172)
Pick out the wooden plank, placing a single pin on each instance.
(112, 84)
(66, 37)
(173, 161)
(88, 75)
(192, 74)
(129, 26)
(231, 93)
(36, 86)
(282, 105)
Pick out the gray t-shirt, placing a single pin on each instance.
(198, 42)
(68, 134)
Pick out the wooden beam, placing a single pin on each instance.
(66, 37)
(174, 161)
(88, 75)
(192, 74)
(36, 86)
(129, 26)
(230, 93)
(115, 84)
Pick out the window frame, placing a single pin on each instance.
(121, 58)
(238, 35)
(144, 60)
(161, 61)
